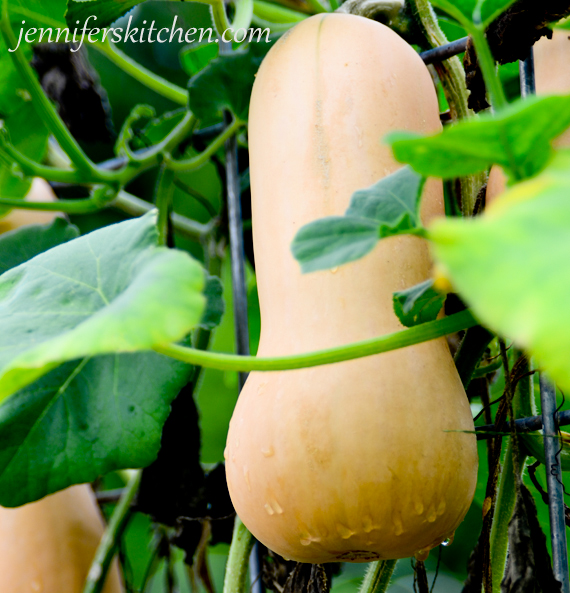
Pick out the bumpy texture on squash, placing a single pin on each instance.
(47, 546)
(351, 461)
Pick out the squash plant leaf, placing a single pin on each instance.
(195, 58)
(470, 12)
(84, 419)
(518, 138)
(394, 202)
(418, 304)
(106, 11)
(20, 245)
(512, 265)
(330, 242)
(226, 83)
(110, 291)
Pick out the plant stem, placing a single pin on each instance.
(242, 19)
(164, 192)
(487, 64)
(238, 558)
(452, 76)
(203, 157)
(273, 13)
(105, 552)
(408, 337)
(377, 577)
(143, 75)
(83, 206)
(43, 105)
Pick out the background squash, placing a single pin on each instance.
(352, 461)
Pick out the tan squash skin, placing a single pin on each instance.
(348, 461)
(552, 75)
(47, 546)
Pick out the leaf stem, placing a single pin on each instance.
(105, 552)
(83, 206)
(238, 558)
(204, 156)
(377, 577)
(408, 337)
(42, 104)
(488, 68)
(276, 14)
(242, 19)
(164, 192)
(143, 75)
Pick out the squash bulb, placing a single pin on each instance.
(48, 546)
(358, 460)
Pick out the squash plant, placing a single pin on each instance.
(105, 333)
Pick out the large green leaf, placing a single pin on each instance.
(110, 291)
(518, 138)
(84, 419)
(20, 245)
(512, 265)
(469, 12)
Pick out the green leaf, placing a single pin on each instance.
(511, 265)
(110, 291)
(84, 419)
(155, 130)
(479, 12)
(518, 138)
(418, 304)
(20, 245)
(195, 58)
(394, 202)
(226, 83)
(106, 11)
(330, 242)
(215, 306)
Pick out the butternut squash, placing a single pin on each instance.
(358, 460)
(47, 546)
(39, 192)
(552, 75)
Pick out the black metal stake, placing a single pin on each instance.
(554, 483)
(239, 291)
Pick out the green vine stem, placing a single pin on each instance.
(488, 68)
(452, 76)
(82, 206)
(210, 150)
(408, 337)
(143, 75)
(164, 193)
(275, 14)
(377, 577)
(242, 19)
(106, 550)
(238, 558)
(43, 105)
(507, 488)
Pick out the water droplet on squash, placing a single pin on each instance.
(432, 516)
(419, 507)
(344, 531)
(261, 388)
(36, 585)
(367, 524)
(334, 270)
(448, 541)
(246, 477)
(226, 453)
(441, 507)
(269, 509)
(237, 444)
(307, 539)
(268, 452)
